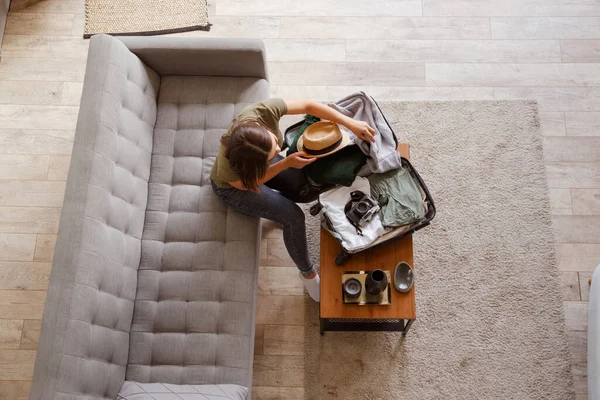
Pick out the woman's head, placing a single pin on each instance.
(249, 148)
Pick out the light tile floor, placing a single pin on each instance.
(548, 50)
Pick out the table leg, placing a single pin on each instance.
(407, 327)
(322, 328)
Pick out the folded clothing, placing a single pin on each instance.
(405, 203)
(333, 203)
(339, 168)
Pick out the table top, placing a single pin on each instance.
(385, 257)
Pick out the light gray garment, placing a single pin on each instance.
(405, 204)
(381, 155)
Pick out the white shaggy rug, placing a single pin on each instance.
(490, 323)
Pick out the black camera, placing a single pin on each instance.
(360, 209)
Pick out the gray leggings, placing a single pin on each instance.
(276, 201)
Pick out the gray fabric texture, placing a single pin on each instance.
(139, 198)
(381, 155)
(206, 57)
(405, 204)
(193, 320)
(161, 391)
(85, 331)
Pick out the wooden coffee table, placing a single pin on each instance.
(337, 316)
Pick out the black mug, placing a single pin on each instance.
(376, 282)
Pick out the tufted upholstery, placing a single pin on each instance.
(195, 302)
(85, 333)
(153, 277)
(159, 391)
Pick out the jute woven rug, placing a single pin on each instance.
(144, 17)
(490, 323)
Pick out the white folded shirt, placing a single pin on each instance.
(333, 203)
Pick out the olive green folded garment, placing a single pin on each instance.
(405, 204)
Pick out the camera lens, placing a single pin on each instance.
(362, 207)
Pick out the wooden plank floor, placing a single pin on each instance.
(548, 50)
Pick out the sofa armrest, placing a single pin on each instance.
(206, 57)
(593, 337)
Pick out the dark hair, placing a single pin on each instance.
(247, 148)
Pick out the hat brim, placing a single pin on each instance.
(345, 142)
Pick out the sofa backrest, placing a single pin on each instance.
(84, 341)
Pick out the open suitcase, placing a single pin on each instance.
(394, 234)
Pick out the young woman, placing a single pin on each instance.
(250, 176)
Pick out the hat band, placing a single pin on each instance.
(322, 151)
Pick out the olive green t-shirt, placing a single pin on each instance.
(268, 113)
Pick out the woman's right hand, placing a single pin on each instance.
(299, 160)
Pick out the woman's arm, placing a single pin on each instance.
(302, 106)
(296, 160)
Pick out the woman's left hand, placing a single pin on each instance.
(362, 130)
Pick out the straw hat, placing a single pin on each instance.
(322, 139)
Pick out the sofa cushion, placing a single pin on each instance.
(194, 310)
(162, 391)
